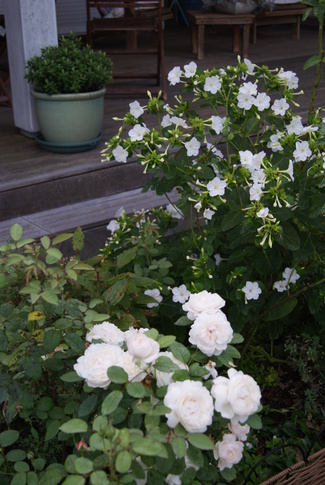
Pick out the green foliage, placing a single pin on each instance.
(69, 67)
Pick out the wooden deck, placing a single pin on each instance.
(50, 193)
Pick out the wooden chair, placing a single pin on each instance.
(143, 17)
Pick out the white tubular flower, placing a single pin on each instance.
(255, 192)
(290, 79)
(191, 405)
(120, 154)
(228, 452)
(174, 76)
(302, 151)
(212, 84)
(262, 101)
(248, 88)
(113, 226)
(142, 347)
(290, 275)
(192, 147)
(208, 214)
(236, 398)
(274, 143)
(252, 290)
(245, 100)
(137, 132)
(174, 212)
(280, 106)
(190, 69)
(295, 127)
(211, 333)
(217, 124)
(216, 187)
(180, 294)
(155, 293)
(136, 109)
(263, 213)
(107, 332)
(280, 286)
(203, 302)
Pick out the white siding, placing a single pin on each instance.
(71, 15)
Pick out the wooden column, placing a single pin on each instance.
(30, 25)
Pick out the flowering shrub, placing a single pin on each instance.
(250, 181)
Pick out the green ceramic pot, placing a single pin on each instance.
(70, 118)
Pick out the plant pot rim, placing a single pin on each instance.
(68, 96)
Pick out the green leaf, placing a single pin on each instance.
(16, 455)
(165, 364)
(8, 437)
(123, 461)
(183, 322)
(111, 402)
(52, 430)
(50, 297)
(136, 390)
(51, 340)
(231, 220)
(179, 447)
(99, 477)
(254, 421)
(281, 310)
(53, 476)
(289, 238)
(21, 467)
(117, 291)
(16, 232)
(74, 426)
(32, 478)
(74, 480)
(54, 255)
(201, 441)
(78, 240)
(71, 377)
(45, 241)
(147, 447)
(180, 352)
(88, 405)
(83, 267)
(75, 342)
(83, 465)
(117, 374)
(166, 341)
(126, 257)
(61, 238)
(19, 479)
(312, 61)
(237, 339)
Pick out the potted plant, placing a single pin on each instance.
(69, 83)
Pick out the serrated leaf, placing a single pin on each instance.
(61, 238)
(179, 446)
(201, 441)
(70, 377)
(281, 310)
(180, 352)
(254, 421)
(52, 430)
(123, 461)
(165, 364)
(8, 438)
(117, 374)
(16, 232)
(50, 297)
(183, 322)
(312, 61)
(55, 254)
(135, 389)
(51, 340)
(74, 480)
(78, 240)
(83, 465)
(166, 341)
(83, 267)
(74, 426)
(147, 447)
(126, 257)
(111, 402)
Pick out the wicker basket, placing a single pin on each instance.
(310, 473)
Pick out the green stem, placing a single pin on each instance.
(319, 67)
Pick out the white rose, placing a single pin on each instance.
(107, 332)
(229, 452)
(236, 398)
(134, 372)
(142, 347)
(191, 405)
(211, 333)
(165, 378)
(93, 365)
(203, 302)
(239, 430)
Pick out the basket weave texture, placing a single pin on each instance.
(312, 473)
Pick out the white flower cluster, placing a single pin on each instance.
(290, 275)
(191, 404)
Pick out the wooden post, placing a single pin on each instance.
(30, 25)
